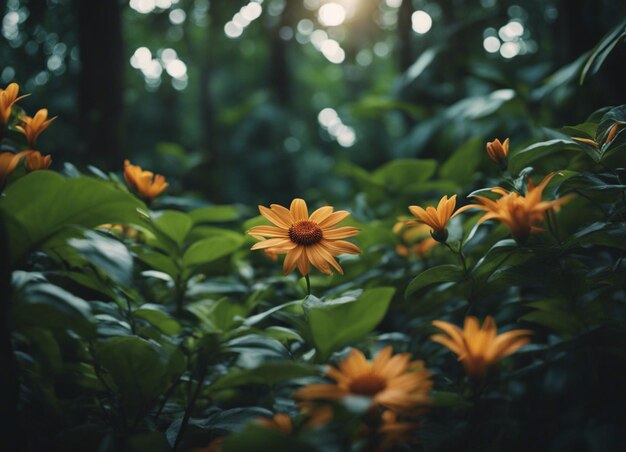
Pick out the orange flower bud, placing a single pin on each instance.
(8, 97)
(147, 184)
(499, 152)
(437, 218)
(32, 127)
(35, 161)
(9, 161)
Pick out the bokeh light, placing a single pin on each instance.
(421, 22)
(331, 14)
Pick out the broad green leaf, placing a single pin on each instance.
(157, 260)
(140, 370)
(109, 255)
(538, 151)
(561, 78)
(220, 315)
(603, 234)
(462, 164)
(49, 306)
(214, 214)
(336, 323)
(210, 249)
(435, 275)
(42, 202)
(254, 350)
(602, 50)
(158, 317)
(562, 322)
(266, 374)
(476, 107)
(175, 225)
(500, 253)
(375, 106)
(401, 174)
(282, 334)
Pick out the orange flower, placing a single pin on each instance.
(520, 213)
(9, 161)
(415, 239)
(8, 97)
(305, 239)
(437, 218)
(588, 141)
(393, 382)
(499, 152)
(393, 432)
(32, 127)
(36, 161)
(317, 415)
(613, 131)
(145, 183)
(478, 348)
(280, 422)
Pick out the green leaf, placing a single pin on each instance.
(157, 316)
(402, 174)
(604, 234)
(462, 164)
(109, 255)
(140, 370)
(564, 323)
(49, 306)
(42, 202)
(602, 50)
(434, 275)
(336, 323)
(560, 79)
(157, 260)
(211, 249)
(175, 225)
(540, 150)
(218, 315)
(214, 214)
(266, 374)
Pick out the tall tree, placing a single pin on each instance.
(100, 89)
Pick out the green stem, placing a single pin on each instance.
(129, 315)
(459, 254)
(470, 295)
(308, 284)
(179, 289)
(191, 402)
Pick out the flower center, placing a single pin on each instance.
(305, 233)
(367, 385)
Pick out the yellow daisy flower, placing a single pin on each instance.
(305, 239)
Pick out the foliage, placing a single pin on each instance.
(150, 324)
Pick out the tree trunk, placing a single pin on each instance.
(405, 54)
(279, 79)
(100, 87)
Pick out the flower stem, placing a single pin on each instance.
(308, 284)
(460, 255)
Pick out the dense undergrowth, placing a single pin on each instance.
(143, 321)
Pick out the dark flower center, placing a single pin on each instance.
(305, 233)
(367, 385)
